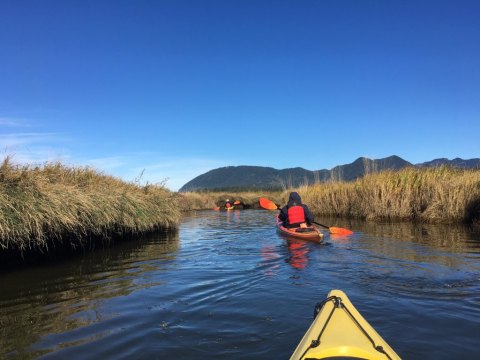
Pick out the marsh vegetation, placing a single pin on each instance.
(435, 195)
(55, 205)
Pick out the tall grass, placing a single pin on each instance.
(41, 206)
(440, 194)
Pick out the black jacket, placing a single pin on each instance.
(294, 199)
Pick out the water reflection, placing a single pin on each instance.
(270, 258)
(64, 297)
(298, 253)
(454, 237)
(227, 285)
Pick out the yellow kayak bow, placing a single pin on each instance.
(339, 330)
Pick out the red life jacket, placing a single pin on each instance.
(296, 215)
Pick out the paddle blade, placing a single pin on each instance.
(267, 204)
(238, 202)
(340, 231)
(216, 208)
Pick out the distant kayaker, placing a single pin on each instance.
(295, 213)
(228, 204)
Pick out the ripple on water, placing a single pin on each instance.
(226, 285)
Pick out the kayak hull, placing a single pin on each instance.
(340, 331)
(311, 233)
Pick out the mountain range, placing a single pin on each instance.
(267, 178)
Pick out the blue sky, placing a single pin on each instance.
(176, 88)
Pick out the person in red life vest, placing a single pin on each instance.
(228, 204)
(294, 214)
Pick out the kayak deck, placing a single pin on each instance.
(340, 331)
(309, 233)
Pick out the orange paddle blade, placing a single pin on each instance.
(340, 231)
(237, 202)
(216, 208)
(267, 204)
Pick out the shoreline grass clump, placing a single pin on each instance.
(442, 194)
(53, 204)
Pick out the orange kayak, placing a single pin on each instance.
(310, 233)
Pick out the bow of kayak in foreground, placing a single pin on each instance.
(339, 330)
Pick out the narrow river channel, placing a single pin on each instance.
(228, 286)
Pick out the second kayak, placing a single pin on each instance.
(308, 233)
(339, 331)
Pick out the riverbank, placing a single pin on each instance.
(56, 207)
(59, 206)
(433, 195)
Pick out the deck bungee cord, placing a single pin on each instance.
(338, 304)
(340, 331)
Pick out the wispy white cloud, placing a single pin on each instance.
(173, 171)
(178, 171)
(40, 147)
(33, 147)
(107, 164)
(14, 122)
(23, 139)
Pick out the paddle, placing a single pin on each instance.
(270, 205)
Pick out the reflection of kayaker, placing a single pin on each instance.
(298, 254)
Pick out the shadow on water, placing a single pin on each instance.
(437, 235)
(421, 251)
(69, 295)
(67, 249)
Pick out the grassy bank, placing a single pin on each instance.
(50, 205)
(432, 195)
(435, 195)
(42, 206)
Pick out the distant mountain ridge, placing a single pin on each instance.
(260, 177)
(457, 162)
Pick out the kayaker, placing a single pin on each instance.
(228, 204)
(295, 213)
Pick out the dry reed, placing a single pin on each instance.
(440, 194)
(53, 204)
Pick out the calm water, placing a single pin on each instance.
(228, 286)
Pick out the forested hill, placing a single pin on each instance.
(259, 177)
(457, 162)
